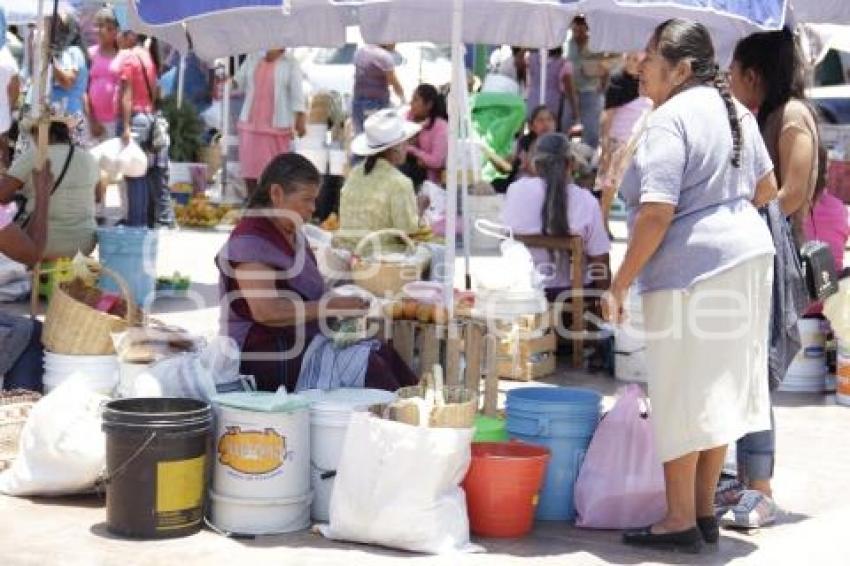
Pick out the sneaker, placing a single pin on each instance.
(754, 510)
(728, 495)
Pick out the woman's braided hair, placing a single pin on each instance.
(684, 40)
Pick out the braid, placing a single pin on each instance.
(722, 87)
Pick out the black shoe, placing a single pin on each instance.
(710, 529)
(689, 541)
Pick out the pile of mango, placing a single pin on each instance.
(410, 309)
(200, 212)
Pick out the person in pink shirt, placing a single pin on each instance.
(828, 222)
(427, 153)
(104, 78)
(548, 207)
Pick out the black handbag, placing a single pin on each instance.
(818, 270)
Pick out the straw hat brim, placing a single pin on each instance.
(360, 145)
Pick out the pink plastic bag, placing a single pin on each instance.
(621, 483)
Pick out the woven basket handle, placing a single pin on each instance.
(131, 316)
(372, 237)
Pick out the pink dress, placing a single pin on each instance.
(259, 140)
(104, 79)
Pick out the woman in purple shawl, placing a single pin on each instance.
(271, 288)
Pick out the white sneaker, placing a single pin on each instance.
(754, 510)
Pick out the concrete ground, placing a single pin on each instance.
(813, 464)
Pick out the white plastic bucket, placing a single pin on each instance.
(808, 376)
(101, 369)
(330, 413)
(259, 516)
(262, 455)
(813, 340)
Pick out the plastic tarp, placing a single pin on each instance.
(626, 25)
(220, 28)
(530, 23)
(820, 11)
(496, 118)
(20, 12)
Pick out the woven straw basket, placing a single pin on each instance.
(74, 328)
(15, 407)
(380, 275)
(459, 409)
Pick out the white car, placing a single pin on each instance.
(332, 69)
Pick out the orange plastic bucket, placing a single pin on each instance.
(502, 487)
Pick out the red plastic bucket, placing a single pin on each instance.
(502, 487)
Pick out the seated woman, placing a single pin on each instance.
(71, 225)
(543, 209)
(426, 154)
(273, 296)
(376, 195)
(21, 353)
(541, 122)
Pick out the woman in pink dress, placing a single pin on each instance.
(104, 78)
(274, 109)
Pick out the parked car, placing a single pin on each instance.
(832, 103)
(332, 69)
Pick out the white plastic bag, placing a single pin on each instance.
(62, 446)
(106, 154)
(621, 482)
(399, 486)
(196, 375)
(132, 161)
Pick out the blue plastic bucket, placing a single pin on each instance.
(562, 419)
(131, 253)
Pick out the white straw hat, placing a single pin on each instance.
(382, 130)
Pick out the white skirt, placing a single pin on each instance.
(707, 350)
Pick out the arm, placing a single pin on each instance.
(13, 91)
(571, 95)
(436, 158)
(270, 309)
(125, 97)
(8, 187)
(795, 157)
(392, 79)
(64, 77)
(28, 247)
(605, 125)
(766, 190)
(651, 225)
(296, 92)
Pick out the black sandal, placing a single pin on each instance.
(689, 541)
(710, 529)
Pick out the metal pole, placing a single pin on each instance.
(224, 146)
(544, 63)
(181, 79)
(452, 164)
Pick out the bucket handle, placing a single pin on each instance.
(494, 229)
(323, 473)
(123, 467)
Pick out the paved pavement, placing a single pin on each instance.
(811, 478)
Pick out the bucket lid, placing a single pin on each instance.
(346, 399)
(262, 401)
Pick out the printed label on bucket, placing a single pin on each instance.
(179, 493)
(252, 452)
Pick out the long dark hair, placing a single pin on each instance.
(551, 156)
(291, 171)
(684, 40)
(429, 94)
(774, 57)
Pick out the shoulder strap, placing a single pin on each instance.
(56, 184)
(61, 176)
(147, 82)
